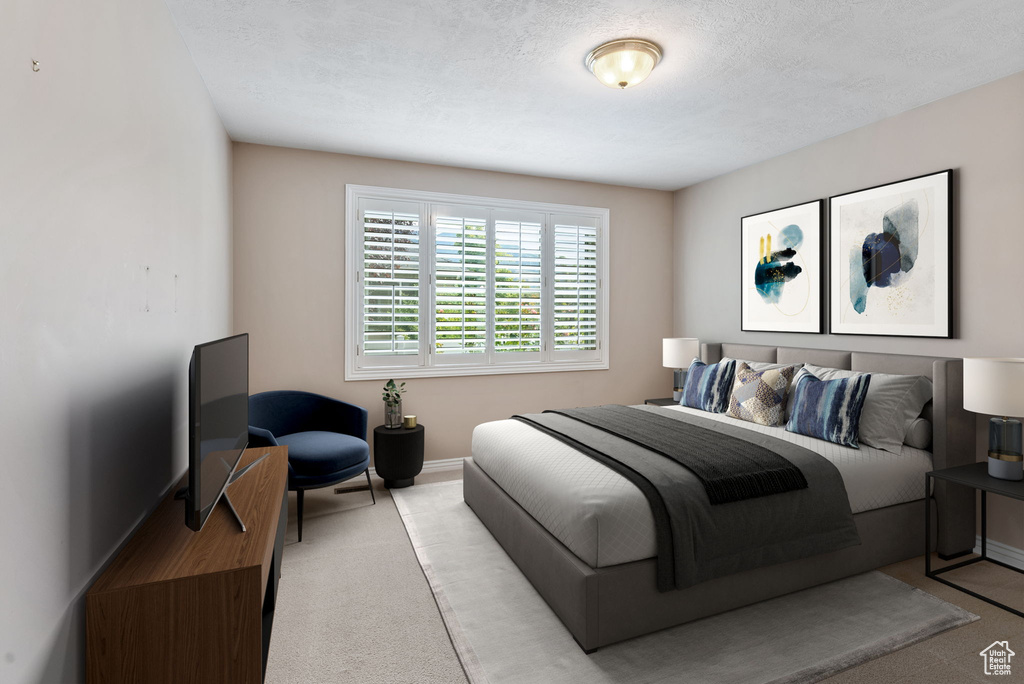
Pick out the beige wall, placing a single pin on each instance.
(979, 134)
(112, 161)
(290, 288)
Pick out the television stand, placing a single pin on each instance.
(235, 476)
(181, 606)
(182, 493)
(231, 508)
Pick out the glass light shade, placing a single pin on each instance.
(623, 63)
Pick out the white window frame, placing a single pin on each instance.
(425, 364)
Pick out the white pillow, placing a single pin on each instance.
(892, 404)
(919, 435)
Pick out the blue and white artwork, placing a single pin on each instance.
(780, 265)
(775, 269)
(890, 259)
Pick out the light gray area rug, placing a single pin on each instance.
(503, 631)
(353, 603)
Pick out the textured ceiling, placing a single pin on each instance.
(501, 85)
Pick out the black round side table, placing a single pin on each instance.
(398, 454)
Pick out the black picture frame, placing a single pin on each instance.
(897, 318)
(813, 260)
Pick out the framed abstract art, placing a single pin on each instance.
(890, 259)
(780, 262)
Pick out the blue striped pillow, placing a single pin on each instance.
(707, 387)
(828, 409)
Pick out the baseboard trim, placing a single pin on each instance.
(1005, 553)
(431, 466)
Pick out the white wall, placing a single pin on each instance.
(290, 288)
(115, 258)
(978, 133)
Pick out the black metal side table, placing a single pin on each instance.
(973, 475)
(398, 454)
(667, 401)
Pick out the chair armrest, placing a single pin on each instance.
(258, 437)
(340, 416)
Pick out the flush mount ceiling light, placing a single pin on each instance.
(623, 63)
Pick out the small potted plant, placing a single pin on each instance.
(393, 404)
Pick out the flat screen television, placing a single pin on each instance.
(218, 396)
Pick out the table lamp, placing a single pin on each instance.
(678, 352)
(996, 387)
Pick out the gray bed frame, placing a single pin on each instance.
(601, 606)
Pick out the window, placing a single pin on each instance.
(441, 284)
(575, 284)
(391, 274)
(460, 277)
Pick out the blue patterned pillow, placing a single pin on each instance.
(828, 409)
(707, 387)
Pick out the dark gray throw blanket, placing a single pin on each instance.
(730, 469)
(697, 541)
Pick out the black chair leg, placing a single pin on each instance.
(370, 485)
(300, 494)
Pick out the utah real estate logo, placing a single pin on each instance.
(997, 658)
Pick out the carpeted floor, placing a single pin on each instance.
(355, 607)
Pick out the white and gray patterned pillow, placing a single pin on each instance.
(760, 396)
(763, 365)
(768, 365)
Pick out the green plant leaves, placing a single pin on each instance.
(392, 393)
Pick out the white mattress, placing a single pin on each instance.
(605, 520)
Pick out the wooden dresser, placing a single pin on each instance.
(182, 606)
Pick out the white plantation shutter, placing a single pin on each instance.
(391, 282)
(518, 283)
(575, 284)
(440, 285)
(460, 283)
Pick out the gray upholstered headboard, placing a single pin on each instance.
(953, 428)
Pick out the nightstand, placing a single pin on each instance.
(973, 475)
(668, 401)
(398, 454)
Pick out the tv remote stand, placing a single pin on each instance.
(182, 492)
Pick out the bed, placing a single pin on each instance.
(582, 535)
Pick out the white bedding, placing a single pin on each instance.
(605, 520)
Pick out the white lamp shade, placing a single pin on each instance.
(678, 352)
(994, 386)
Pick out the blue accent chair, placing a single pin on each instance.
(326, 438)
